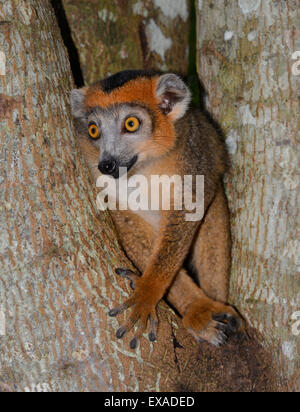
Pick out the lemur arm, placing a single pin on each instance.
(170, 250)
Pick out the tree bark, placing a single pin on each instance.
(245, 62)
(57, 253)
(129, 34)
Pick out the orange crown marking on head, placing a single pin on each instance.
(138, 90)
(142, 91)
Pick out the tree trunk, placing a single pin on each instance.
(245, 62)
(57, 254)
(129, 34)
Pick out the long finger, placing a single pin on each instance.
(153, 327)
(139, 333)
(120, 309)
(129, 325)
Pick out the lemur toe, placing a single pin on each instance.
(152, 337)
(113, 313)
(117, 311)
(143, 311)
(220, 317)
(222, 327)
(121, 332)
(134, 343)
(129, 275)
(153, 329)
(228, 323)
(221, 339)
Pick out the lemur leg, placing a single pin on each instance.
(211, 252)
(206, 319)
(198, 311)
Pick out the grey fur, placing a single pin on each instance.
(115, 142)
(174, 95)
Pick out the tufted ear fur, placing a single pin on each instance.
(174, 97)
(77, 102)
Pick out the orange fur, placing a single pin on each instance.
(140, 91)
(159, 253)
(196, 308)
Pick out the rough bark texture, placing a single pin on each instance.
(113, 35)
(245, 61)
(57, 253)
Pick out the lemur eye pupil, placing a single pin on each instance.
(94, 132)
(132, 124)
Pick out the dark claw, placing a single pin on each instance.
(225, 328)
(121, 333)
(222, 327)
(152, 337)
(113, 313)
(231, 322)
(127, 274)
(134, 343)
(229, 325)
(117, 311)
(233, 325)
(153, 329)
(224, 337)
(220, 317)
(122, 272)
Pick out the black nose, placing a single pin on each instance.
(108, 167)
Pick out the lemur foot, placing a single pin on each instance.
(144, 305)
(212, 322)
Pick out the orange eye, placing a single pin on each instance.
(132, 124)
(94, 131)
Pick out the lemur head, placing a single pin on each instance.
(130, 117)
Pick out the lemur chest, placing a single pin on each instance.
(136, 198)
(153, 218)
(144, 194)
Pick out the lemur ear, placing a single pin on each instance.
(173, 95)
(77, 102)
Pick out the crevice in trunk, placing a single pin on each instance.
(193, 79)
(68, 41)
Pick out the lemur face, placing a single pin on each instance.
(121, 129)
(130, 117)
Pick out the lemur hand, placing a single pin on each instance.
(144, 301)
